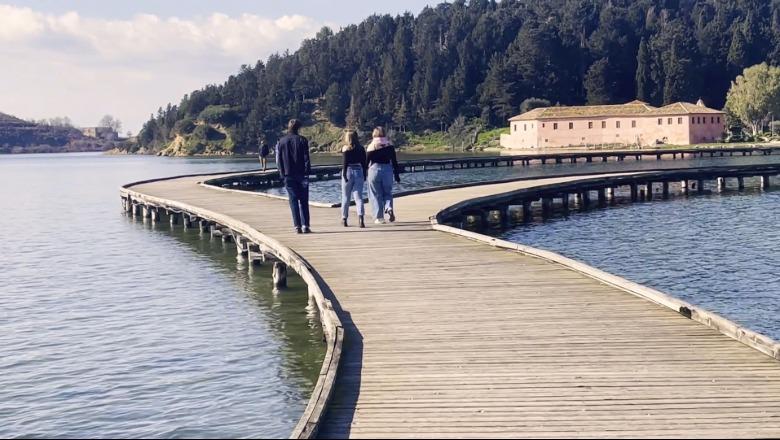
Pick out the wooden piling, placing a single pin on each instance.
(280, 275)
(721, 183)
(665, 189)
(765, 182)
(741, 183)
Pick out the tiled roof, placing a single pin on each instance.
(633, 108)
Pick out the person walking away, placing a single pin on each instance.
(265, 151)
(354, 169)
(382, 168)
(294, 166)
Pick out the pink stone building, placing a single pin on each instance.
(633, 124)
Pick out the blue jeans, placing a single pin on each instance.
(354, 185)
(298, 194)
(380, 188)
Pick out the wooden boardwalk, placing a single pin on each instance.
(448, 337)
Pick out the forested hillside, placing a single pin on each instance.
(478, 59)
(19, 136)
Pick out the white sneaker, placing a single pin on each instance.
(379, 221)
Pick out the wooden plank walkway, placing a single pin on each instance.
(448, 337)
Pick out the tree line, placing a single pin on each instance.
(481, 59)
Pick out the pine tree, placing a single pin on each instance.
(643, 81)
(737, 56)
(353, 119)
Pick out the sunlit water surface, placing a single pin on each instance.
(112, 328)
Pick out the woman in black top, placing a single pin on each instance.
(353, 176)
(382, 168)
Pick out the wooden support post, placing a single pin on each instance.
(634, 192)
(658, 156)
(585, 197)
(558, 159)
(174, 217)
(642, 194)
(188, 220)
(565, 202)
(216, 230)
(280, 275)
(527, 212)
(604, 159)
(602, 195)
(765, 182)
(204, 225)
(721, 183)
(155, 215)
(665, 190)
(589, 159)
(649, 190)
(700, 186)
(242, 246)
(147, 212)
(741, 183)
(574, 159)
(684, 186)
(611, 194)
(547, 203)
(227, 235)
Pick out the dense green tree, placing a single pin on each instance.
(755, 96)
(482, 59)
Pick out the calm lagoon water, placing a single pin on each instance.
(110, 327)
(720, 251)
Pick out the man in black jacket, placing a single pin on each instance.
(294, 165)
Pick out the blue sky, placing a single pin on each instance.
(87, 58)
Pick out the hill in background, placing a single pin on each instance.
(474, 63)
(20, 136)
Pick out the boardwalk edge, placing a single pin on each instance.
(752, 339)
(309, 423)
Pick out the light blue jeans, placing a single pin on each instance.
(353, 186)
(380, 188)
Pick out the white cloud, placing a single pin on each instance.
(84, 67)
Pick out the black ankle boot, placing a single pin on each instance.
(344, 222)
(362, 222)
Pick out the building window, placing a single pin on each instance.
(633, 124)
(693, 120)
(718, 119)
(525, 127)
(712, 120)
(571, 125)
(590, 124)
(617, 124)
(603, 124)
(544, 125)
(669, 121)
(555, 125)
(679, 121)
(660, 121)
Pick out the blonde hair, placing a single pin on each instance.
(379, 132)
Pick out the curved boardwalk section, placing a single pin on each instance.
(449, 337)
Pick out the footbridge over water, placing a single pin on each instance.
(434, 331)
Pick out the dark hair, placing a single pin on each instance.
(354, 139)
(293, 126)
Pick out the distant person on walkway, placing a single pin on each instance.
(382, 168)
(354, 170)
(292, 160)
(265, 151)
